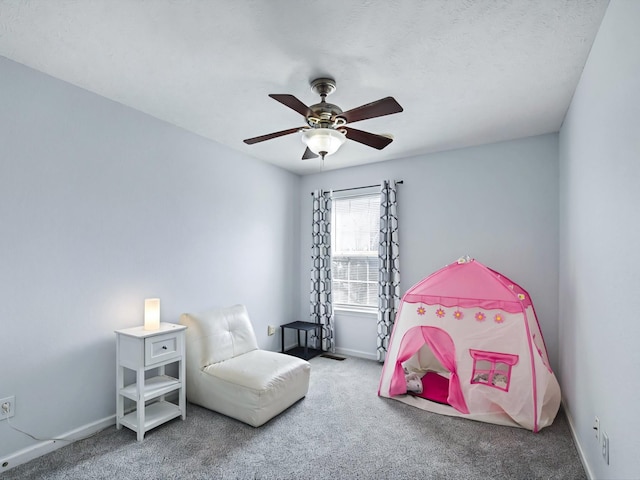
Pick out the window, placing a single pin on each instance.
(354, 261)
(492, 369)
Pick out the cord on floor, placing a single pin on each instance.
(54, 439)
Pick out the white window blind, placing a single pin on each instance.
(354, 262)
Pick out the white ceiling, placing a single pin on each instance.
(466, 72)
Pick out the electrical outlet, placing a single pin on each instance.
(596, 428)
(7, 407)
(271, 330)
(605, 447)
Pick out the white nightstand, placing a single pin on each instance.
(141, 350)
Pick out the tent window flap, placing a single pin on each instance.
(492, 368)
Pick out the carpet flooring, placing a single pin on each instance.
(340, 430)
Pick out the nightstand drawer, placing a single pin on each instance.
(162, 347)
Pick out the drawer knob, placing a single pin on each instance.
(164, 347)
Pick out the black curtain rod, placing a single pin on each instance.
(360, 188)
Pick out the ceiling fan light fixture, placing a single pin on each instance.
(323, 141)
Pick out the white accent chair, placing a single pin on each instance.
(229, 374)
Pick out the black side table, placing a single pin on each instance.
(303, 351)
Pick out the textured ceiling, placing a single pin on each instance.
(466, 72)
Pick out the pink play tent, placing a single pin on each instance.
(466, 342)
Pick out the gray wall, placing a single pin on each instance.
(599, 247)
(496, 203)
(102, 206)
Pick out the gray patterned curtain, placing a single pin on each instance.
(321, 309)
(389, 273)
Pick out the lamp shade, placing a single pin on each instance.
(323, 141)
(152, 314)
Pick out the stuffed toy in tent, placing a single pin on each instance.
(466, 342)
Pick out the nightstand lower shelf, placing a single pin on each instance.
(153, 387)
(154, 415)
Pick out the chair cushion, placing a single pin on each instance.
(259, 370)
(255, 386)
(219, 334)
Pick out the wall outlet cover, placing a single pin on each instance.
(605, 447)
(11, 402)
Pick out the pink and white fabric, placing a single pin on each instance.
(478, 331)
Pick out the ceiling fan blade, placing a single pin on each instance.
(308, 154)
(366, 138)
(293, 103)
(379, 108)
(269, 136)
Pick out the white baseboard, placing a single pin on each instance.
(577, 442)
(46, 446)
(356, 353)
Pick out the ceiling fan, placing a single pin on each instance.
(326, 128)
